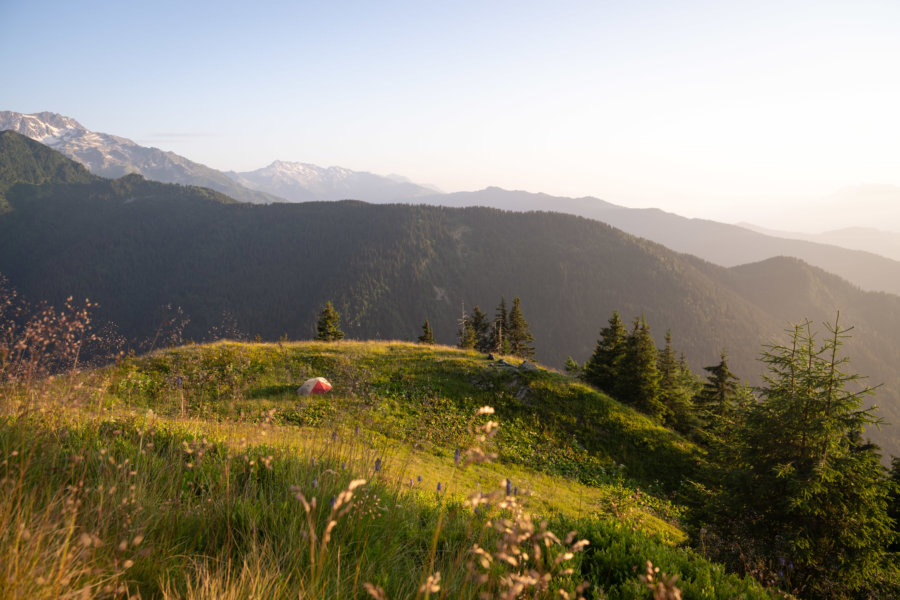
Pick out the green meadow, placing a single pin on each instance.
(198, 472)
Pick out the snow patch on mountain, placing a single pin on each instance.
(302, 182)
(113, 156)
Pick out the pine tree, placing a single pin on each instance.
(572, 367)
(602, 368)
(481, 327)
(328, 324)
(716, 401)
(427, 336)
(521, 342)
(806, 491)
(638, 381)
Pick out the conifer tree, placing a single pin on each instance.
(481, 327)
(521, 342)
(806, 490)
(894, 503)
(427, 336)
(716, 401)
(328, 324)
(466, 332)
(675, 389)
(602, 368)
(572, 367)
(500, 329)
(638, 380)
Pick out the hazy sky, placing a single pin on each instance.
(753, 111)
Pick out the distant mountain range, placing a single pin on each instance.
(719, 243)
(865, 258)
(112, 156)
(302, 182)
(134, 245)
(876, 241)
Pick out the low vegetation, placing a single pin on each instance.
(198, 472)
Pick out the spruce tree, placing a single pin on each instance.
(807, 496)
(521, 342)
(328, 324)
(500, 329)
(602, 368)
(675, 390)
(427, 336)
(716, 401)
(481, 327)
(638, 381)
(466, 333)
(572, 367)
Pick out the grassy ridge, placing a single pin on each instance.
(422, 395)
(131, 481)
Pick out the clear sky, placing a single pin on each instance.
(772, 112)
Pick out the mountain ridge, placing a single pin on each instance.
(112, 156)
(304, 182)
(135, 246)
(719, 243)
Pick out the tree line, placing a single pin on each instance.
(802, 500)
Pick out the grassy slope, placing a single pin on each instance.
(206, 475)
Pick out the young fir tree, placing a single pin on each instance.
(466, 332)
(427, 336)
(499, 336)
(572, 367)
(481, 327)
(717, 399)
(638, 380)
(328, 324)
(689, 386)
(602, 368)
(521, 342)
(674, 394)
(807, 497)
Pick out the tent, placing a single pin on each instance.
(316, 385)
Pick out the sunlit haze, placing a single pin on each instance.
(783, 114)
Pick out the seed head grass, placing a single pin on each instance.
(198, 473)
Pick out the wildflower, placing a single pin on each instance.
(439, 486)
(508, 487)
(356, 430)
(377, 464)
(456, 457)
(419, 479)
(432, 585)
(315, 482)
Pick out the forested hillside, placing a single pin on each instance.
(136, 247)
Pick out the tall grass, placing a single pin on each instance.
(104, 496)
